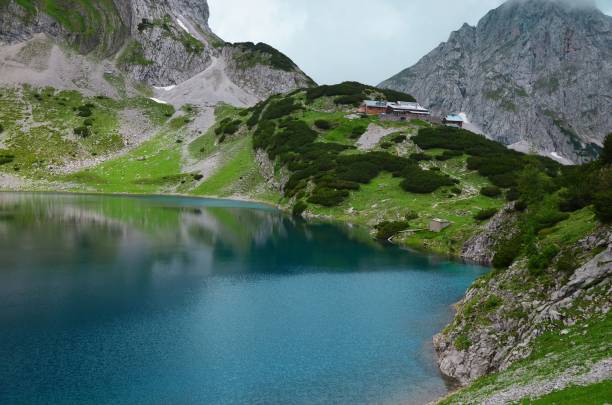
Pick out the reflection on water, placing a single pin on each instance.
(231, 285)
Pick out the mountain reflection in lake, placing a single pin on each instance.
(171, 300)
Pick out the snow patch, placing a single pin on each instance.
(158, 101)
(167, 88)
(561, 159)
(182, 25)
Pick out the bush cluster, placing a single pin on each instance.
(507, 251)
(485, 214)
(421, 181)
(387, 229)
(228, 127)
(352, 92)
(539, 262)
(491, 191)
(353, 100)
(6, 158)
(83, 131)
(420, 157)
(85, 110)
(323, 124)
(280, 108)
(399, 138)
(299, 208)
(449, 154)
(357, 131)
(276, 58)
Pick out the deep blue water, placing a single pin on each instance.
(168, 300)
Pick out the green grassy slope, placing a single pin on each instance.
(94, 25)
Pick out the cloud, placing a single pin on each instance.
(336, 40)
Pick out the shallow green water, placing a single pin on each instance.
(159, 300)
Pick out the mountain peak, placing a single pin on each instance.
(160, 43)
(533, 73)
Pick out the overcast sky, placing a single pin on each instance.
(338, 40)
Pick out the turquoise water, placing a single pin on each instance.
(169, 300)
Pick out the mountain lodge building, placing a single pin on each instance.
(399, 110)
(453, 120)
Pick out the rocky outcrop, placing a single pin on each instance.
(269, 80)
(481, 248)
(99, 29)
(501, 315)
(162, 43)
(536, 74)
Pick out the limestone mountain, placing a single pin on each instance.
(158, 43)
(535, 74)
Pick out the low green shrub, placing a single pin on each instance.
(421, 181)
(462, 343)
(280, 108)
(492, 303)
(85, 110)
(567, 262)
(356, 132)
(299, 208)
(512, 194)
(327, 197)
(356, 90)
(353, 100)
(6, 158)
(538, 263)
(485, 214)
(323, 124)
(410, 215)
(420, 157)
(82, 131)
(388, 229)
(228, 127)
(491, 191)
(546, 217)
(507, 251)
(399, 138)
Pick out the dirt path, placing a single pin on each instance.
(372, 136)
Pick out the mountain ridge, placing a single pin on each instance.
(532, 74)
(160, 44)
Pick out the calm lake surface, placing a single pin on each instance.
(170, 300)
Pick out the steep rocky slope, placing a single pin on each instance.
(158, 43)
(536, 74)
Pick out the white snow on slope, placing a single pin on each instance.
(167, 88)
(561, 159)
(182, 25)
(158, 101)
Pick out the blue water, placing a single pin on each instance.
(168, 300)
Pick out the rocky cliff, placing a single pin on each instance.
(502, 313)
(160, 43)
(536, 74)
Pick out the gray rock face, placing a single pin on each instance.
(485, 338)
(536, 73)
(158, 42)
(106, 36)
(168, 42)
(481, 248)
